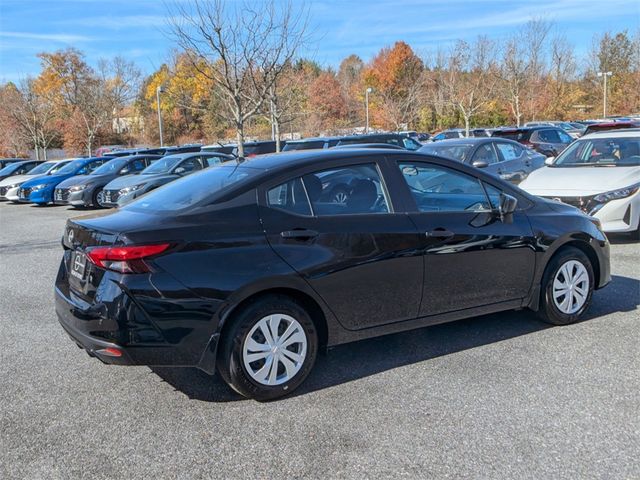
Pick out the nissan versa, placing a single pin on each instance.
(40, 189)
(244, 268)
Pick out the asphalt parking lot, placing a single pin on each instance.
(499, 396)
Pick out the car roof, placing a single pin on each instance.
(462, 141)
(296, 158)
(620, 133)
(314, 139)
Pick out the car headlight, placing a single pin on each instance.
(617, 194)
(35, 188)
(13, 185)
(132, 188)
(77, 188)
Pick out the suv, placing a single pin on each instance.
(547, 140)
(403, 141)
(603, 126)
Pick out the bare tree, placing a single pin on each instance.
(285, 100)
(121, 79)
(514, 76)
(246, 47)
(562, 71)
(34, 114)
(534, 36)
(470, 77)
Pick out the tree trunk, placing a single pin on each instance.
(240, 139)
(466, 124)
(276, 127)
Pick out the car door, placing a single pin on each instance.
(472, 257)
(516, 165)
(361, 256)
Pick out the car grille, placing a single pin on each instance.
(3, 191)
(61, 195)
(110, 196)
(585, 204)
(24, 192)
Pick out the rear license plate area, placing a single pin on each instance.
(78, 265)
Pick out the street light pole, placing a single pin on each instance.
(366, 95)
(158, 91)
(604, 75)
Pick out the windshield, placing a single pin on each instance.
(455, 152)
(189, 190)
(58, 168)
(69, 168)
(10, 168)
(162, 165)
(41, 169)
(112, 166)
(601, 152)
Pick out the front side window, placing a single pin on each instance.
(440, 189)
(601, 152)
(565, 138)
(411, 144)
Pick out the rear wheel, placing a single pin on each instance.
(269, 349)
(567, 287)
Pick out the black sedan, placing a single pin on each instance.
(86, 190)
(246, 269)
(501, 157)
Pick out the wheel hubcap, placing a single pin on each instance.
(571, 287)
(275, 349)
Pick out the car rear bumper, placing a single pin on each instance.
(145, 329)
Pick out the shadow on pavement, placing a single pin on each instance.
(361, 359)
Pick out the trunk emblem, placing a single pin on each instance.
(70, 236)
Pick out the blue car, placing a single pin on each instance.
(40, 190)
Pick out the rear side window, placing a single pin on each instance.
(137, 165)
(509, 151)
(348, 190)
(485, 153)
(211, 161)
(303, 146)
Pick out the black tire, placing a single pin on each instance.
(94, 198)
(549, 312)
(230, 354)
(635, 235)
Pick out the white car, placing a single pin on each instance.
(10, 185)
(598, 173)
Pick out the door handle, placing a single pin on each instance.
(440, 233)
(300, 234)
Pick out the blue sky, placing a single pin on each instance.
(134, 28)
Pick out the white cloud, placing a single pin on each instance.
(49, 37)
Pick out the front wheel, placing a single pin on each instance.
(269, 349)
(567, 287)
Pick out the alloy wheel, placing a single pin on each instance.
(275, 349)
(571, 287)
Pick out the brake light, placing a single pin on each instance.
(126, 259)
(527, 143)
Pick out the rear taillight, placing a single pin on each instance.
(527, 144)
(126, 259)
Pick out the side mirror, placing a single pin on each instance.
(507, 206)
(549, 160)
(125, 171)
(480, 164)
(180, 170)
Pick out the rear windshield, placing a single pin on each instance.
(518, 135)
(208, 184)
(454, 152)
(303, 145)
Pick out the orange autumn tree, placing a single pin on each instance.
(397, 77)
(326, 104)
